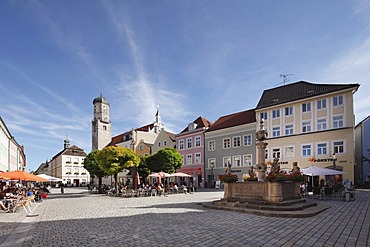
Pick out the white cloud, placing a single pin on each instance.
(139, 93)
(353, 66)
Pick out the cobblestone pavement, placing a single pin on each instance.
(180, 220)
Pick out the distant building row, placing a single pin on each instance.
(12, 156)
(312, 124)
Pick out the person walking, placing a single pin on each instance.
(62, 188)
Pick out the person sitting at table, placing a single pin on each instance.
(3, 201)
(175, 188)
(159, 189)
(184, 189)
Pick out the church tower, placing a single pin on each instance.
(101, 125)
(158, 123)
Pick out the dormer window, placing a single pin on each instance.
(192, 126)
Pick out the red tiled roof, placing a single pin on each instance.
(235, 119)
(124, 136)
(201, 122)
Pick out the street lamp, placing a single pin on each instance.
(212, 166)
(133, 168)
(335, 168)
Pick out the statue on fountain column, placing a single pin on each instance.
(228, 169)
(275, 167)
(261, 134)
(296, 169)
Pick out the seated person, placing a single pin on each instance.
(159, 189)
(2, 206)
(184, 188)
(175, 188)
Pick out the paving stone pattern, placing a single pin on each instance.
(180, 220)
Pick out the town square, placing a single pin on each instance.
(184, 123)
(81, 219)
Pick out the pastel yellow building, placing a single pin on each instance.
(312, 124)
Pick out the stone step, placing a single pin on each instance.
(292, 207)
(306, 210)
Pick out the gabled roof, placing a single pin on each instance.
(72, 150)
(172, 136)
(201, 123)
(363, 121)
(235, 119)
(127, 135)
(299, 90)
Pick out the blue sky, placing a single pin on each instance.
(192, 58)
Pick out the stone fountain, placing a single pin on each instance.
(266, 198)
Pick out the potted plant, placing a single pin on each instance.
(277, 177)
(229, 178)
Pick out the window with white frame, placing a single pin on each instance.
(263, 115)
(226, 160)
(275, 131)
(276, 153)
(189, 159)
(321, 104)
(236, 141)
(247, 140)
(306, 107)
(211, 145)
(68, 160)
(338, 147)
(322, 149)
(338, 100)
(306, 150)
(227, 143)
(237, 160)
(289, 111)
(159, 144)
(337, 122)
(276, 113)
(68, 171)
(321, 124)
(197, 141)
(189, 143)
(141, 147)
(75, 161)
(266, 153)
(183, 160)
(197, 158)
(289, 152)
(289, 129)
(211, 163)
(247, 160)
(165, 143)
(306, 126)
(181, 144)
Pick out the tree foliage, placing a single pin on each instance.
(93, 168)
(167, 160)
(113, 160)
(143, 169)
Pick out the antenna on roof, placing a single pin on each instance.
(286, 78)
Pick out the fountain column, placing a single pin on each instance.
(261, 135)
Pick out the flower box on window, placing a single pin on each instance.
(76, 173)
(67, 173)
(68, 162)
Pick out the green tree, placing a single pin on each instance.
(167, 160)
(113, 160)
(94, 169)
(143, 169)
